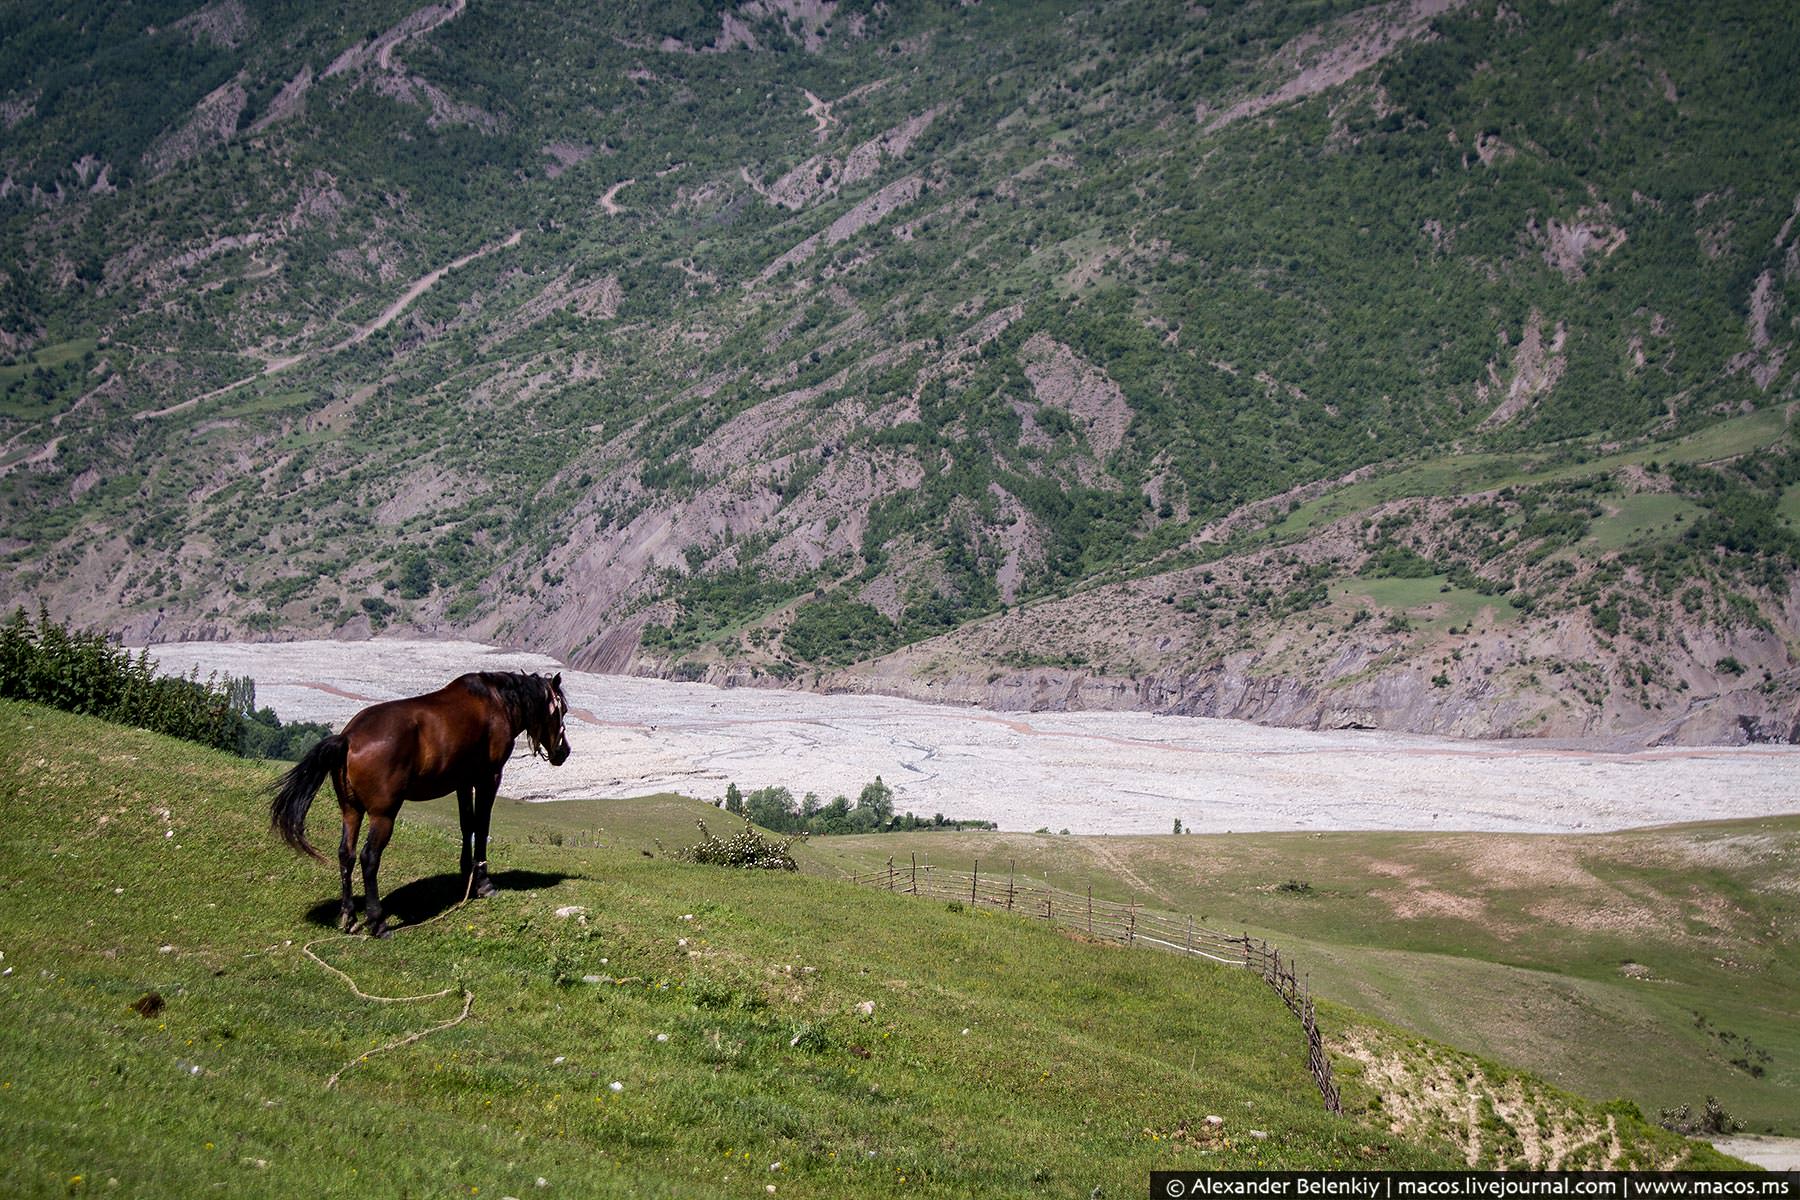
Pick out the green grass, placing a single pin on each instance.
(1464, 474)
(49, 357)
(1428, 599)
(1645, 517)
(1789, 507)
(135, 865)
(1514, 947)
(263, 402)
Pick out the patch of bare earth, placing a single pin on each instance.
(564, 155)
(1536, 368)
(1062, 379)
(1317, 60)
(1494, 1121)
(290, 101)
(212, 123)
(226, 24)
(871, 210)
(1567, 246)
(823, 176)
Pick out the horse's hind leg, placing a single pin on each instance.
(380, 829)
(347, 865)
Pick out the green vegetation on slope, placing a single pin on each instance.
(1564, 955)
(1032, 294)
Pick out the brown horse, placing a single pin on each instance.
(457, 739)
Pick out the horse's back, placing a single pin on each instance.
(421, 746)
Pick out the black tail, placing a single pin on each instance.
(293, 795)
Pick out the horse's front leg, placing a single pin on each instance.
(484, 810)
(465, 815)
(381, 828)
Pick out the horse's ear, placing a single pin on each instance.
(557, 682)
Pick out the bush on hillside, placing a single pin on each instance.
(746, 849)
(86, 673)
(46, 663)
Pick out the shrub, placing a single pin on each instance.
(86, 673)
(746, 849)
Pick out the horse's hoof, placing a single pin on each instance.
(379, 929)
(484, 887)
(347, 920)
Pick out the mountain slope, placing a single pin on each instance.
(760, 341)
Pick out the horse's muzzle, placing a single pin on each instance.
(558, 754)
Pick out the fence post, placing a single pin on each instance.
(890, 866)
(974, 878)
(1090, 908)
(1190, 934)
(915, 873)
(1011, 870)
(1131, 923)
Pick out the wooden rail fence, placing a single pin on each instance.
(1130, 923)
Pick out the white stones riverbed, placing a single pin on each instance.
(1084, 772)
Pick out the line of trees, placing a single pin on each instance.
(776, 808)
(83, 672)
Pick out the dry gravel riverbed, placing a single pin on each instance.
(1084, 772)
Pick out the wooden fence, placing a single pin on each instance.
(1130, 923)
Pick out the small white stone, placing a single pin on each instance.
(570, 910)
(1215, 1121)
(662, 1037)
(965, 1033)
(866, 1008)
(590, 979)
(558, 1061)
(616, 1086)
(168, 833)
(1259, 1134)
(681, 941)
(542, 1182)
(165, 949)
(118, 891)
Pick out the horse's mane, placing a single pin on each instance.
(523, 695)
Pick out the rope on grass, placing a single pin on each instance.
(409, 1039)
(362, 995)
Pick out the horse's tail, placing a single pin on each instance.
(293, 794)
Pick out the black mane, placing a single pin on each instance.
(523, 695)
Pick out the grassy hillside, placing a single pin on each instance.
(140, 866)
(770, 339)
(1564, 955)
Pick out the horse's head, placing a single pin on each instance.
(545, 728)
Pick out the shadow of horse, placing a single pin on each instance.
(423, 899)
